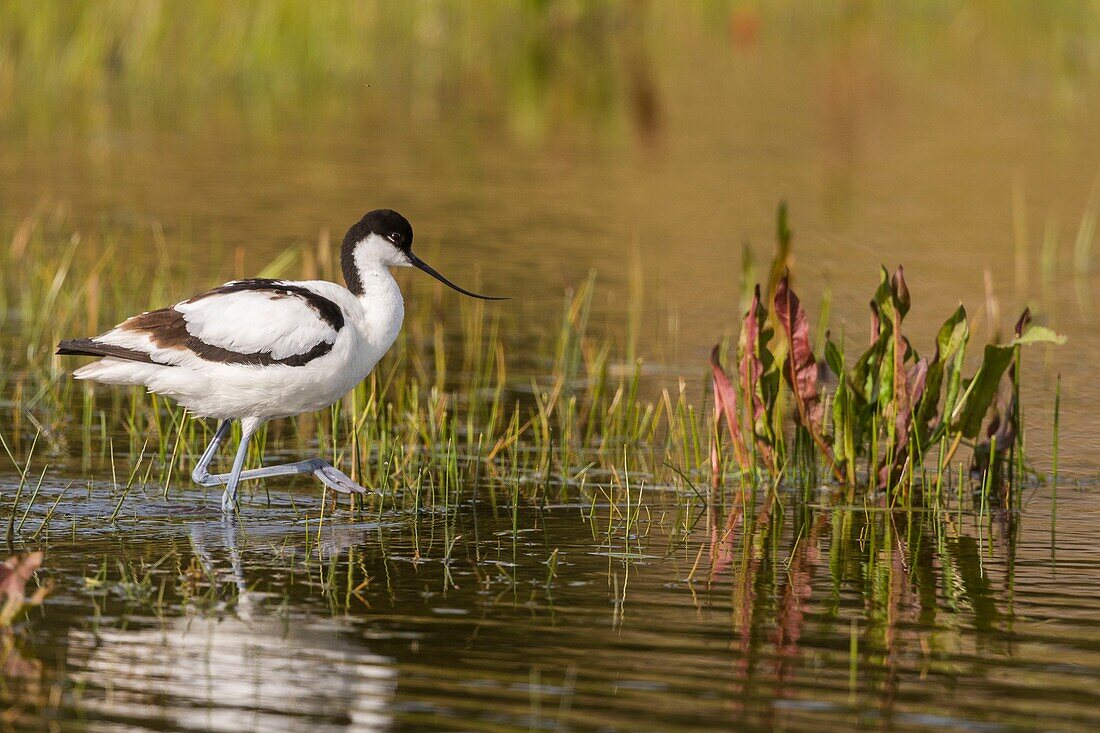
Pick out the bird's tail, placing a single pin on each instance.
(118, 364)
(91, 347)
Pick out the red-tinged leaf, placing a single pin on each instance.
(909, 394)
(725, 403)
(800, 367)
(876, 323)
(918, 378)
(750, 366)
(900, 291)
(1022, 323)
(1001, 430)
(1002, 415)
(1003, 425)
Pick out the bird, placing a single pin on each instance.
(258, 349)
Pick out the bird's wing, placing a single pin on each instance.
(253, 322)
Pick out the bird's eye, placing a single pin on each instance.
(395, 237)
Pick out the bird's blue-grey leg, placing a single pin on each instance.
(332, 477)
(229, 498)
(200, 474)
(329, 475)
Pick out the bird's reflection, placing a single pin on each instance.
(251, 668)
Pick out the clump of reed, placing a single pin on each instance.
(872, 421)
(437, 416)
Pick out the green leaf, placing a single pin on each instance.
(865, 373)
(886, 372)
(953, 334)
(1040, 335)
(834, 358)
(845, 430)
(981, 390)
(783, 237)
(884, 297)
(950, 345)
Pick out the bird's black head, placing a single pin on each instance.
(387, 224)
(383, 238)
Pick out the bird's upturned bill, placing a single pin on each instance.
(422, 265)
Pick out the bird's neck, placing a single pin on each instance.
(382, 303)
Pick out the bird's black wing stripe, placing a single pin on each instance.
(88, 347)
(259, 358)
(329, 311)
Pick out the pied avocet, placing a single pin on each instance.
(253, 350)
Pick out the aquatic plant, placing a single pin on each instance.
(874, 420)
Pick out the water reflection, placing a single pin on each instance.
(895, 590)
(15, 573)
(22, 683)
(241, 666)
(762, 613)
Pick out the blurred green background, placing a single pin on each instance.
(533, 63)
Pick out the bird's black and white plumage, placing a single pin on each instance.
(253, 350)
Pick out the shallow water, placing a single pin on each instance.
(172, 618)
(890, 146)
